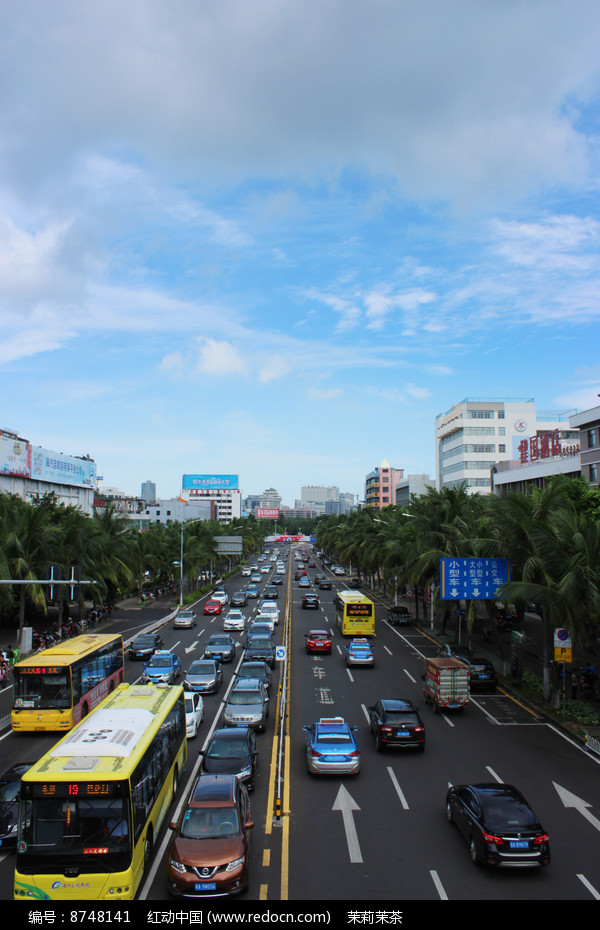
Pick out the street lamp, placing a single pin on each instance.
(183, 525)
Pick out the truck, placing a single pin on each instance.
(446, 684)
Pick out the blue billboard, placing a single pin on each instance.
(472, 579)
(209, 482)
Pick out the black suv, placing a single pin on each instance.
(396, 724)
(310, 601)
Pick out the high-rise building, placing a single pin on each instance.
(476, 434)
(380, 485)
(149, 492)
(588, 424)
(317, 494)
(220, 490)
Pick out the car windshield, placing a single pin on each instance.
(318, 636)
(189, 706)
(227, 749)
(219, 641)
(257, 642)
(201, 668)
(144, 641)
(245, 697)
(160, 662)
(207, 823)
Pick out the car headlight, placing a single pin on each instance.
(178, 866)
(232, 866)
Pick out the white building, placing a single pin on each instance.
(476, 434)
(220, 490)
(31, 471)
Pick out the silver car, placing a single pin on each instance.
(247, 705)
(203, 675)
(186, 619)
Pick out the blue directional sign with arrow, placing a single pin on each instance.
(472, 579)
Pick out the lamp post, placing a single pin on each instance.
(183, 525)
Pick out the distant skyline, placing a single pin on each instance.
(277, 239)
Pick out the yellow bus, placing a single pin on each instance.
(354, 614)
(91, 809)
(56, 688)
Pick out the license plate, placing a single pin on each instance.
(334, 758)
(402, 733)
(519, 844)
(205, 886)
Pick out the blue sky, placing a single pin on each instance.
(277, 238)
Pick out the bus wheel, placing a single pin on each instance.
(84, 711)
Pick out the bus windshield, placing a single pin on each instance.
(46, 689)
(66, 829)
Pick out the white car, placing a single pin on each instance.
(235, 620)
(268, 610)
(220, 595)
(265, 569)
(194, 712)
(246, 571)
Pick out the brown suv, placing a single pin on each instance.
(208, 856)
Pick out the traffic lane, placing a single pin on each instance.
(456, 751)
(260, 866)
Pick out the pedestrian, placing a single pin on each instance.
(16, 655)
(574, 683)
(10, 655)
(3, 676)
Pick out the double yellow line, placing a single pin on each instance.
(278, 804)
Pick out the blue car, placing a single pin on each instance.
(331, 748)
(359, 652)
(163, 668)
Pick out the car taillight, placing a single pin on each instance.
(355, 753)
(488, 838)
(314, 752)
(541, 839)
(419, 729)
(386, 729)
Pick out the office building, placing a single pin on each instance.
(477, 434)
(380, 485)
(220, 490)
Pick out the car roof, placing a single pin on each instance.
(248, 684)
(215, 789)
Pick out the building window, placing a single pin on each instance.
(593, 474)
(592, 438)
(502, 447)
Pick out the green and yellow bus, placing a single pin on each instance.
(91, 808)
(354, 614)
(56, 688)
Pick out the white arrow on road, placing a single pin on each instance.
(571, 800)
(346, 804)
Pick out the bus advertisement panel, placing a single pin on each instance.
(91, 808)
(354, 614)
(56, 688)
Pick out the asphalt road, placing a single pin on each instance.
(382, 836)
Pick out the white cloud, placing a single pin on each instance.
(219, 358)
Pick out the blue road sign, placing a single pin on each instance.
(472, 579)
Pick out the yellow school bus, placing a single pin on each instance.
(354, 614)
(91, 808)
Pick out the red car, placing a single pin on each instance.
(213, 607)
(318, 641)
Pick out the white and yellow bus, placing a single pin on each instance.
(91, 808)
(56, 688)
(354, 614)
